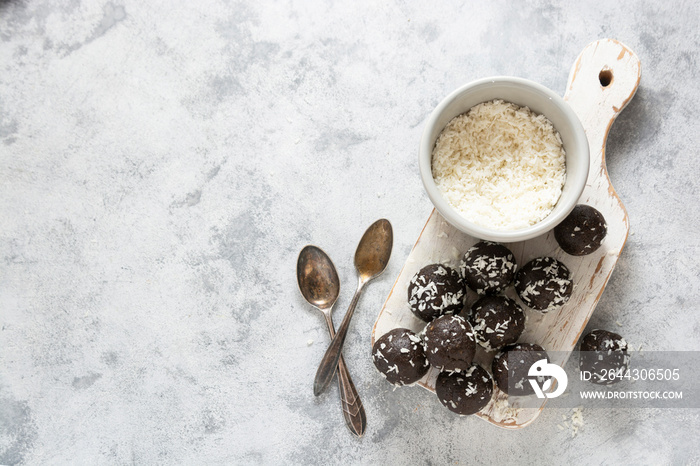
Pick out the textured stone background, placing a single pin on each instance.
(161, 166)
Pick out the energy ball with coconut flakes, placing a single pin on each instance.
(449, 343)
(399, 356)
(582, 232)
(434, 291)
(488, 268)
(604, 357)
(497, 321)
(465, 393)
(544, 284)
(510, 368)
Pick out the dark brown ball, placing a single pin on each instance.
(582, 232)
(434, 291)
(488, 268)
(449, 343)
(464, 393)
(399, 356)
(510, 368)
(544, 284)
(497, 321)
(604, 357)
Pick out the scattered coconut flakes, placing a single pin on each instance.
(618, 323)
(572, 423)
(503, 410)
(309, 342)
(576, 421)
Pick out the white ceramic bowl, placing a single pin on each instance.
(524, 93)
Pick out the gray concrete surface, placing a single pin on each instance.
(162, 163)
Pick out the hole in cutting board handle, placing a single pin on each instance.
(605, 77)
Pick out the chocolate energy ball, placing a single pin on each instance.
(497, 321)
(434, 291)
(449, 343)
(510, 368)
(582, 232)
(399, 356)
(544, 284)
(464, 393)
(604, 356)
(488, 268)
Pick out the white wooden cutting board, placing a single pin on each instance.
(602, 81)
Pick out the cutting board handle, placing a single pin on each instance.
(602, 81)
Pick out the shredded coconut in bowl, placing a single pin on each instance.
(500, 165)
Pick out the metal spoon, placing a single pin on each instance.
(371, 257)
(319, 284)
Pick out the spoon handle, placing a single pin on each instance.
(353, 411)
(326, 369)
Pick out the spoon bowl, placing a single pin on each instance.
(374, 250)
(317, 278)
